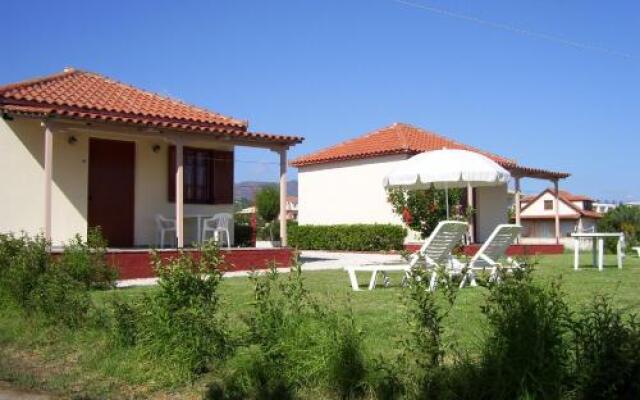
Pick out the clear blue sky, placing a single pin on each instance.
(553, 84)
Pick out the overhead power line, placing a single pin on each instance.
(515, 29)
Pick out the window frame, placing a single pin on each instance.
(545, 205)
(218, 186)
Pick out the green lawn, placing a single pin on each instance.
(65, 361)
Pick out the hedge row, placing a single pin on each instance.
(356, 237)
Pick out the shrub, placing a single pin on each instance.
(357, 237)
(622, 219)
(421, 210)
(85, 261)
(268, 206)
(125, 320)
(61, 298)
(181, 323)
(423, 351)
(526, 349)
(22, 261)
(347, 370)
(285, 346)
(607, 353)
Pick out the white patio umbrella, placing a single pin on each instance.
(444, 169)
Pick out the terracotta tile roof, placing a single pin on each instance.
(567, 198)
(398, 138)
(86, 95)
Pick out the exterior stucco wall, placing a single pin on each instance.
(22, 175)
(537, 208)
(346, 192)
(351, 192)
(492, 205)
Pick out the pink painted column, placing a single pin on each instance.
(283, 196)
(180, 193)
(556, 207)
(48, 179)
(518, 204)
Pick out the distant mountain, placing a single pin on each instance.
(247, 189)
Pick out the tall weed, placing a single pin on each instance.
(527, 345)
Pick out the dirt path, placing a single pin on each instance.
(7, 392)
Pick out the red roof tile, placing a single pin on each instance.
(89, 96)
(398, 138)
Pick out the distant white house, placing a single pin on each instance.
(603, 208)
(577, 214)
(292, 208)
(342, 184)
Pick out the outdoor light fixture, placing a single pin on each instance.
(155, 148)
(72, 140)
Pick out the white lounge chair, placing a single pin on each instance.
(436, 251)
(492, 253)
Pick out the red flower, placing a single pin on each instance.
(406, 216)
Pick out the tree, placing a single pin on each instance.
(624, 219)
(268, 206)
(421, 210)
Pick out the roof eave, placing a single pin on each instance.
(220, 131)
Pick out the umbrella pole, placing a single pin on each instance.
(446, 197)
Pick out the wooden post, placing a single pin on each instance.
(48, 179)
(283, 196)
(180, 193)
(471, 216)
(556, 207)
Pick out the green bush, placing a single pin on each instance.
(61, 298)
(22, 261)
(622, 219)
(286, 345)
(268, 206)
(347, 366)
(85, 261)
(125, 320)
(356, 237)
(526, 350)
(180, 324)
(607, 353)
(421, 210)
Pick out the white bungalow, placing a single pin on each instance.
(342, 184)
(78, 150)
(577, 214)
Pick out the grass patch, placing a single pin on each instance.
(85, 362)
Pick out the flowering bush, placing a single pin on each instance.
(421, 210)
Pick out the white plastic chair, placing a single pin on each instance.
(436, 251)
(164, 225)
(637, 249)
(492, 253)
(218, 225)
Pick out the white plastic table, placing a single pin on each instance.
(199, 218)
(598, 247)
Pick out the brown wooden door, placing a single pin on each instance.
(111, 189)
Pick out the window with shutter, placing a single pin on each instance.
(208, 176)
